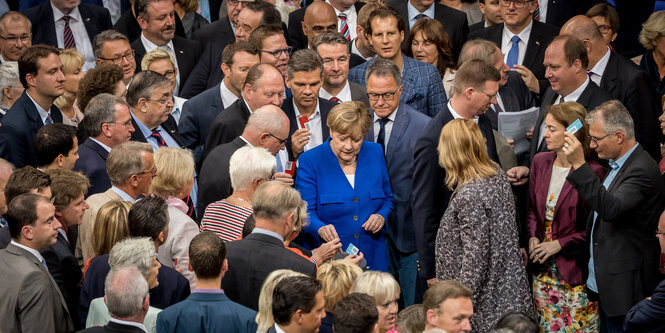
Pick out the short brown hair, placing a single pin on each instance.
(441, 291)
(565, 114)
(434, 32)
(262, 32)
(102, 79)
(24, 180)
(110, 226)
(206, 255)
(350, 117)
(363, 13)
(67, 186)
(239, 46)
(305, 60)
(384, 12)
(573, 49)
(605, 10)
(474, 73)
(28, 63)
(125, 160)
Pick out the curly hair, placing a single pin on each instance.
(101, 79)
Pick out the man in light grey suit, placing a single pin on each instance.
(30, 300)
(396, 127)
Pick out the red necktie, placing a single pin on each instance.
(335, 99)
(160, 140)
(68, 36)
(190, 208)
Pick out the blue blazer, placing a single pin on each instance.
(95, 19)
(423, 88)
(203, 312)
(92, 163)
(331, 199)
(18, 130)
(407, 128)
(197, 115)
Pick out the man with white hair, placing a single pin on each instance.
(10, 86)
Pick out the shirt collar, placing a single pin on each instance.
(457, 115)
(269, 233)
(278, 329)
(208, 291)
(575, 95)
(42, 113)
(391, 116)
(149, 46)
(317, 111)
(344, 95)
(247, 142)
(57, 14)
(129, 323)
(247, 105)
(107, 148)
(348, 12)
(226, 94)
(63, 233)
(144, 129)
(412, 11)
(620, 162)
(29, 249)
(600, 66)
(177, 204)
(523, 35)
(122, 194)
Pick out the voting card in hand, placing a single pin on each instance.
(574, 127)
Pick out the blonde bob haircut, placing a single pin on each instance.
(175, 171)
(382, 286)
(350, 118)
(155, 55)
(652, 29)
(110, 226)
(462, 152)
(337, 277)
(71, 61)
(264, 318)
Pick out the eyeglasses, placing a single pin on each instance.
(169, 74)
(152, 172)
(281, 141)
(279, 53)
(118, 60)
(596, 140)
(162, 101)
(388, 96)
(518, 3)
(126, 124)
(240, 69)
(492, 97)
(235, 2)
(24, 38)
(604, 29)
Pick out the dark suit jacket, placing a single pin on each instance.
(92, 163)
(359, 93)
(226, 126)
(430, 194)
(408, 126)
(355, 60)
(66, 272)
(295, 36)
(590, 98)
(541, 36)
(570, 215)
(214, 178)
(129, 27)
(648, 316)
(18, 130)
(251, 260)
(626, 253)
(113, 327)
(453, 20)
(515, 97)
(324, 106)
(169, 125)
(196, 117)
(96, 19)
(5, 238)
(477, 26)
(560, 11)
(187, 54)
(628, 83)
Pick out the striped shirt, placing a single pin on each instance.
(225, 219)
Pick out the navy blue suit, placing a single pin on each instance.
(18, 130)
(649, 314)
(197, 115)
(92, 163)
(95, 18)
(207, 312)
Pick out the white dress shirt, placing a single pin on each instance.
(129, 323)
(228, 97)
(314, 120)
(31, 250)
(507, 43)
(351, 20)
(388, 127)
(344, 95)
(43, 114)
(149, 46)
(542, 6)
(81, 37)
(178, 102)
(456, 115)
(107, 148)
(599, 69)
(114, 9)
(412, 12)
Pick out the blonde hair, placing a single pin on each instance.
(652, 29)
(301, 217)
(71, 61)
(462, 152)
(264, 318)
(175, 170)
(382, 286)
(155, 55)
(337, 277)
(110, 226)
(350, 118)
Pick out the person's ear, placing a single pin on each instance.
(431, 316)
(226, 69)
(59, 160)
(26, 232)
(146, 302)
(468, 92)
(298, 317)
(162, 237)
(225, 266)
(189, 266)
(31, 79)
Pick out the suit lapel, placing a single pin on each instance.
(137, 135)
(566, 190)
(495, 34)
(543, 185)
(535, 43)
(399, 125)
(585, 96)
(179, 51)
(617, 179)
(32, 113)
(47, 16)
(325, 132)
(94, 146)
(609, 80)
(90, 26)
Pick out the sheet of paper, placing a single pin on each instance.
(514, 125)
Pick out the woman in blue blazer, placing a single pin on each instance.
(346, 186)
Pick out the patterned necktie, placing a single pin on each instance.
(590, 73)
(420, 16)
(191, 212)
(381, 138)
(49, 119)
(536, 13)
(335, 99)
(160, 140)
(343, 27)
(513, 54)
(68, 36)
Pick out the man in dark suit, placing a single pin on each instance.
(333, 48)
(254, 257)
(70, 25)
(476, 85)
(521, 39)
(108, 123)
(17, 28)
(6, 170)
(265, 128)
(623, 80)
(264, 85)
(43, 81)
(31, 299)
(199, 111)
(557, 12)
(423, 88)
(452, 19)
(569, 83)
(396, 127)
(346, 9)
(298, 305)
(491, 10)
(207, 309)
(111, 46)
(160, 33)
(68, 189)
(129, 26)
(624, 261)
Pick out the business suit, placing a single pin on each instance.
(477, 26)
(169, 125)
(92, 163)
(128, 26)
(84, 243)
(214, 178)
(430, 194)
(331, 200)
(648, 314)
(203, 312)
(197, 114)
(66, 272)
(251, 260)
(227, 125)
(18, 130)
(295, 36)
(31, 300)
(187, 54)
(423, 88)
(113, 327)
(359, 93)
(95, 18)
(570, 214)
(625, 249)
(560, 11)
(628, 83)
(324, 107)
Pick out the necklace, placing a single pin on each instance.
(350, 162)
(241, 199)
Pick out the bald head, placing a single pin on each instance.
(319, 17)
(582, 28)
(6, 170)
(266, 127)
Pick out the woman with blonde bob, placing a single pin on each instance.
(264, 318)
(72, 68)
(477, 241)
(336, 278)
(385, 290)
(110, 227)
(174, 181)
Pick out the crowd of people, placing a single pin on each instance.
(339, 166)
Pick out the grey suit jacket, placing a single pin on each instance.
(31, 300)
(358, 93)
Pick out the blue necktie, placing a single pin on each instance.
(381, 138)
(514, 52)
(48, 120)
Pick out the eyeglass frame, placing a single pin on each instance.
(17, 38)
(118, 60)
(517, 3)
(152, 171)
(126, 124)
(376, 96)
(281, 141)
(278, 53)
(595, 140)
(492, 97)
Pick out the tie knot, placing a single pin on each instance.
(590, 73)
(66, 18)
(614, 165)
(384, 120)
(342, 16)
(515, 39)
(420, 16)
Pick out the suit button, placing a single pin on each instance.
(355, 217)
(355, 236)
(355, 199)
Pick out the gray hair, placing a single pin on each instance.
(125, 160)
(273, 200)
(652, 29)
(383, 67)
(143, 84)
(100, 110)
(264, 119)
(14, 16)
(125, 289)
(305, 60)
(477, 49)
(331, 38)
(249, 163)
(106, 36)
(9, 75)
(615, 117)
(137, 251)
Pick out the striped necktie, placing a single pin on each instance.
(68, 36)
(343, 27)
